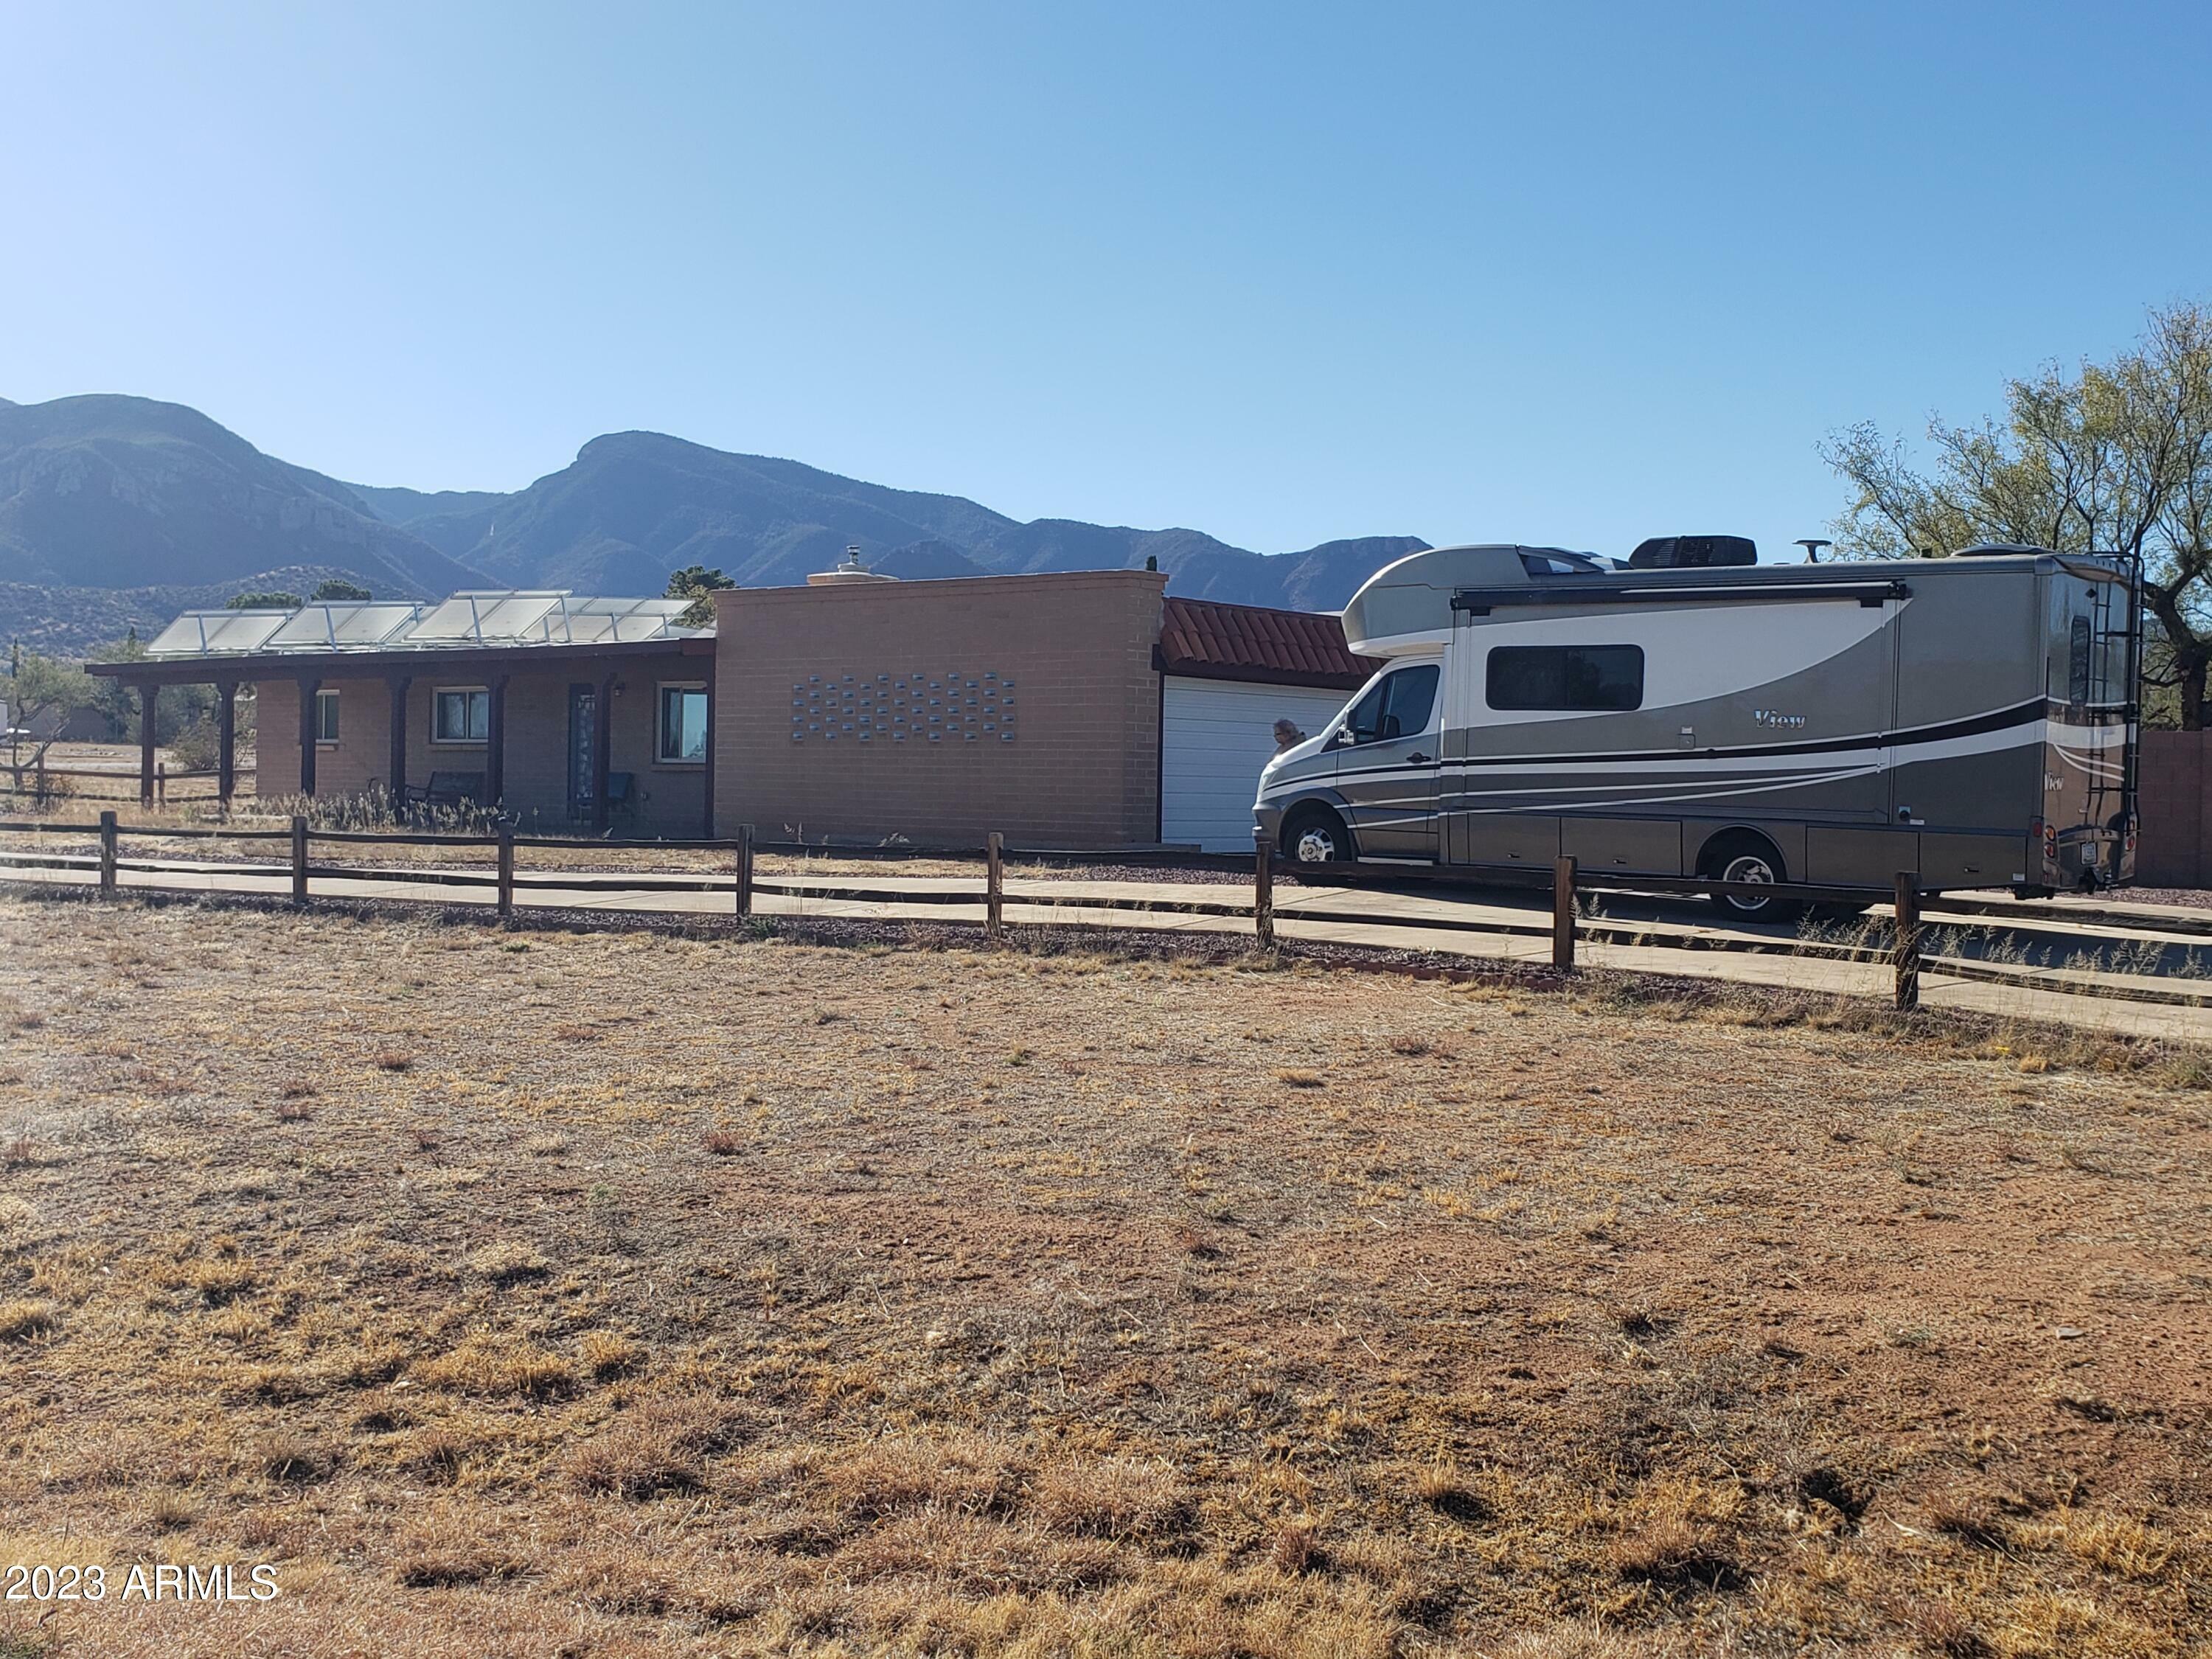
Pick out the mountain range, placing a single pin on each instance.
(118, 512)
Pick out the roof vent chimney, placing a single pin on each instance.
(851, 571)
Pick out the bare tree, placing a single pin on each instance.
(2116, 458)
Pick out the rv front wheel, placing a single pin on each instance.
(1313, 834)
(1753, 860)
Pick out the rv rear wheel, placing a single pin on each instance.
(1753, 859)
(1315, 834)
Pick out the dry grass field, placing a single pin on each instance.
(620, 1293)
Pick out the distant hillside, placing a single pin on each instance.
(451, 520)
(124, 492)
(635, 505)
(71, 622)
(112, 507)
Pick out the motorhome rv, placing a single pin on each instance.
(1969, 720)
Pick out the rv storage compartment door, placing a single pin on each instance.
(1505, 838)
(1972, 861)
(1859, 858)
(1651, 846)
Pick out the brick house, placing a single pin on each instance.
(1073, 709)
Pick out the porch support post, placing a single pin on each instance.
(308, 688)
(603, 744)
(226, 742)
(496, 741)
(707, 826)
(395, 687)
(150, 720)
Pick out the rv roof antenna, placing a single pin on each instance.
(1813, 544)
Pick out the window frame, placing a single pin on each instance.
(1490, 677)
(660, 694)
(1380, 690)
(327, 731)
(439, 694)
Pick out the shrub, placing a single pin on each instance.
(1111, 1497)
(21, 1321)
(658, 1446)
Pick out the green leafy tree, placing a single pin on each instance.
(178, 709)
(694, 582)
(335, 588)
(39, 688)
(2112, 457)
(275, 600)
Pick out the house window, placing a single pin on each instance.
(327, 717)
(1568, 677)
(683, 726)
(460, 713)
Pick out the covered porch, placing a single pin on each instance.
(572, 735)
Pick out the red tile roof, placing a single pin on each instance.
(1210, 641)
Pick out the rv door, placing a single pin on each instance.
(1386, 762)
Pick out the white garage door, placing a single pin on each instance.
(1215, 736)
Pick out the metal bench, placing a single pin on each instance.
(445, 789)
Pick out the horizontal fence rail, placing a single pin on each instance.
(1907, 950)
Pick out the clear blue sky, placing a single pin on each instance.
(1555, 273)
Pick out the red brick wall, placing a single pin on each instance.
(1076, 649)
(2174, 801)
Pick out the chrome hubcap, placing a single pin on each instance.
(1749, 868)
(1315, 845)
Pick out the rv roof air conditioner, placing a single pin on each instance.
(1678, 552)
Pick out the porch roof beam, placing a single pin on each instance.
(250, 666)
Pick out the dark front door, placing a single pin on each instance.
(583, 752)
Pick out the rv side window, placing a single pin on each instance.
(1566, 677)
(1396, 706)
(2078, 662)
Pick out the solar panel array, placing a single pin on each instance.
(495, 619)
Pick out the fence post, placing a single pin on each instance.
(38, 786)
(506, 870)
(994, 887)
(1263, 888)
(108, 854)
(299, 860)
(160, 783)
(1563, 915)
(745, 871)
(1908, 940)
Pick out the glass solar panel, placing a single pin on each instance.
(338, 627)
(206, 633)
(502, 618)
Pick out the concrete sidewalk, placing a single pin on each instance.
(1481, 928)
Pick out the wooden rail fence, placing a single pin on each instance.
(1567, 882)
(34, 778)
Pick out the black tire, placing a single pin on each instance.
(1743, 855)
(1313, 834)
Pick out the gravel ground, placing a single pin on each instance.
(2194, 898)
